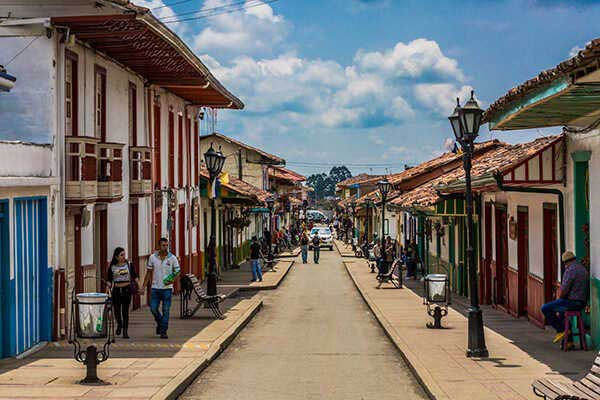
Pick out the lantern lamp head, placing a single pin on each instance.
(470, 118)
(455, 122)
(384, 187)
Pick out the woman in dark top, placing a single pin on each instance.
(120, 276)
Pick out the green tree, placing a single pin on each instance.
(324, 184)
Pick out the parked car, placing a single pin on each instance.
(325, 236)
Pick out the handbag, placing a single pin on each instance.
(133, 286)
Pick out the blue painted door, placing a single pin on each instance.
(31, 280)
(5, 326)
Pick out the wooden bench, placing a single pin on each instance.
(191, 288)
(394, 275)
(587, 388)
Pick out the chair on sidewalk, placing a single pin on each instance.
(570, 332)
(190, 286)
(588, 388)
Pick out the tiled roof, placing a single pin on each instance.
(587, 57)
(437, 162)
(270, 157)
(241, 187)
(358, 179)
(497, 159)
(286, 174)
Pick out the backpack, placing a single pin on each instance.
(316, 241)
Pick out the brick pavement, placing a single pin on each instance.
(519, 352)
(144, 366)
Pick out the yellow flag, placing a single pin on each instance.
(224, 178)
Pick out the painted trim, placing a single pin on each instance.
(523, 208)
(581, 156)
(549, 206)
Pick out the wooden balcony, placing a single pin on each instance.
(140, 176)
(110, 172)
(81, 185)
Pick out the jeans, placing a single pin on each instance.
(156, 296)
(304, 253)
(256, 271)
(554, 312)
(316, 253)
(121, 300)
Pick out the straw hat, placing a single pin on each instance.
(568, 256)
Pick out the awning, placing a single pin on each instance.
(259, 210)
(567, 94)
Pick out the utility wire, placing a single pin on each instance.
(221, 13)
(22, 50)
(206, 10)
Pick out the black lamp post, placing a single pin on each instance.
(465, 123)
(384, 187)
(214, 163)
(270, 205)
(367, 218)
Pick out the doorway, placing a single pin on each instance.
(5, 308)
(550, 252)
(501, 254)
(522, 258)
(487, 264)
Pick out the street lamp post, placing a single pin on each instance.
(214, 163)
(465, 122)
(384, 188)
(353, 206)
(270, 205)
(368, 218)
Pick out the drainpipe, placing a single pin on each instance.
(558, 193)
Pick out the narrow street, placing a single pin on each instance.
(314, 339)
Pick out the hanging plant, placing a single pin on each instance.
(439, 229)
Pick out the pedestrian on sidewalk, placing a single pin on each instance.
(412, 259)
(162, 269)
(573, 295)
(377, 255)
(316, 245)
(123, 283)
(255, 256)
(304, 246)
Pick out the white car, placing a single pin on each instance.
(325, 236)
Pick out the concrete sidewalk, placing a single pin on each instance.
(242, 278)
(344, 249)
(519, 352)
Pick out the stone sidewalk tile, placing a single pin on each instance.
(438, 356)
(344, 249)
(143, 367)
(241, 278)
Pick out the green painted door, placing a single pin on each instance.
(451, 255)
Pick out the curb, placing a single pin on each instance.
(181, 381)
(344, 253)
(419, 371)
(270, 287)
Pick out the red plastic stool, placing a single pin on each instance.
(569, 330)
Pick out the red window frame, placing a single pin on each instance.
(171, 149)
(102, 71)
(71, 57)
(180, 150)
(133, 127)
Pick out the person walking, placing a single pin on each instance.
(162, 269)
(316, 245)
(377, 255)
(123, 283)
(304, 247)
(574, 289)
(255, 256)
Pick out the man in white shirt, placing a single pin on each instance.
(162, 269)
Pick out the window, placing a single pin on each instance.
(180, 149)
(100, 103)
(71, 103)
(171, 149)
(132, 112)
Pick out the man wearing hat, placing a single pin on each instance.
(573, 294)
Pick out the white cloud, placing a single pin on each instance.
(419, 58)
(441, 97)
(574, 50)
(255, 31)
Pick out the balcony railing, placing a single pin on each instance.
(81, 185)
(110, 172)
(140, 177)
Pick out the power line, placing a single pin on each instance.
(22, 50)
(222, 12)
(206, 10)
(324, 164)
(172, 4)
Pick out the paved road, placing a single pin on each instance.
(314, 339)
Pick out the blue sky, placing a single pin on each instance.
(369, 83)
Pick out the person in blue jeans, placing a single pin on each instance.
(573, 295)
(304, 246)
(255, 256)
(162, 268)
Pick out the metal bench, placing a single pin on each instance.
(394, 275)
(587, 388)
(191, 288)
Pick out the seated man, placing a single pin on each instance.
(573, 295)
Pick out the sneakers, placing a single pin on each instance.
(157, 330)
(164, 336)
(559, 336)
